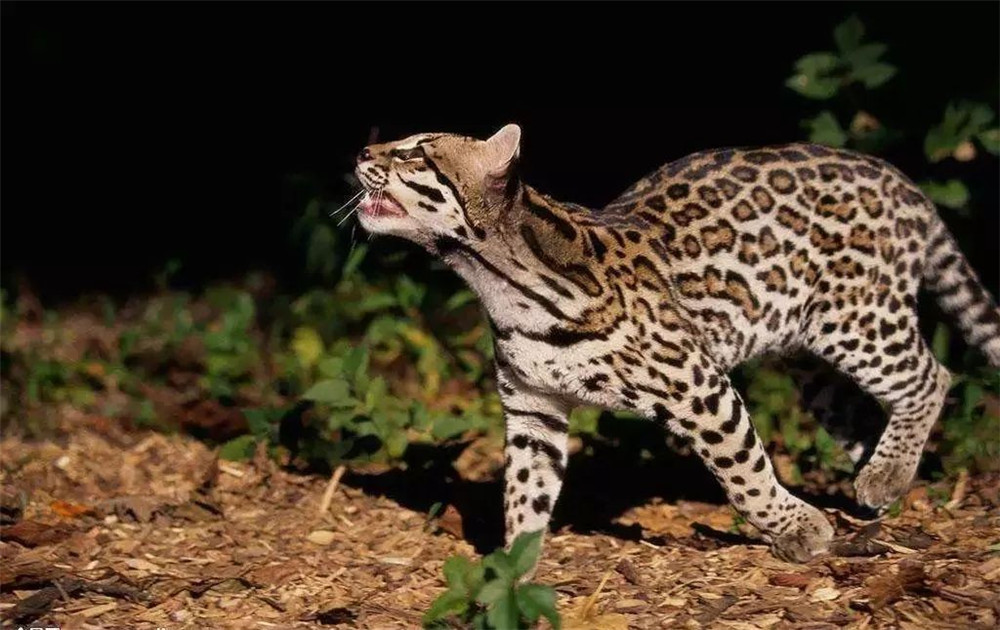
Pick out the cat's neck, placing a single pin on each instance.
(532, 270)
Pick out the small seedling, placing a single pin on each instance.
(487, 594)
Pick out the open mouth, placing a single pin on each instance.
(381, 204)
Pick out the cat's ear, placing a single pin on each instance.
(503, 149)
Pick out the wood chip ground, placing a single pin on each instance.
(108, 529)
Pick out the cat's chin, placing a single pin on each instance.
(383, 223)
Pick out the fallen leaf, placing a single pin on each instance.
(885, 589)
(66, 509)
(627, 570)
(321, 537)
(825, 594)
(97, 611)
(451, 522)
(33, 533)
(630, 605)
(794, 580)
(142, 565)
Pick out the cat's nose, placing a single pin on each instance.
(364, 156)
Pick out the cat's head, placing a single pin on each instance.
(430, 186)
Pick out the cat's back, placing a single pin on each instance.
(798, 173)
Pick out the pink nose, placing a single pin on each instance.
(364, 156)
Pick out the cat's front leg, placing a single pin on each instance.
(535, 456)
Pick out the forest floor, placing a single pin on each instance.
(112, 528)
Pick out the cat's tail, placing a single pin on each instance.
(959, 292)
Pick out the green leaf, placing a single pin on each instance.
(503, 613)
(961, 122)
(335, 392)
(307, 345)
(941, 341)
(809, 79)
(825, 443)
(864, 55)
(239, 448)
(459, 299)
(848, 34)
(356, 364)
(501, 565)
(261, 421)
(455, 570)
(447, 604)
(813, 87)
(409, 293)
(824, 129)
(817, 63)
(950, 194)
(340, 418)
(535, 600)
(990, 139)
(874, 75)
(331, 367)
(320, 258)
(396, 443)
(448, 426)
(376, 302)
(354, 260)
(493, 591)
(524, 551)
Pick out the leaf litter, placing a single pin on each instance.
(116, 528)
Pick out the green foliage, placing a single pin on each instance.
(487, 594)
(963, 121)
(972, 426)
(950, 194)
(825, 129)
(822, 75)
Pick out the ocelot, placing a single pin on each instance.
(646, 304)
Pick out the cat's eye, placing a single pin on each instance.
(405, 155)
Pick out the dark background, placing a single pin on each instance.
(136, 133)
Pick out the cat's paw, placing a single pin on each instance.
(808, 538)
(882, 481)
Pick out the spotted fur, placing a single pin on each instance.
(646, 305)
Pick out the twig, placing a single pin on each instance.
(958, 494)
(62, 591)
(273, 603)
(585, 611)
(331, 487)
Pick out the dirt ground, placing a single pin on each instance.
(104, 528)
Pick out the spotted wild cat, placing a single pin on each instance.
(646, 304)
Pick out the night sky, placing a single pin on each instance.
(137, 132)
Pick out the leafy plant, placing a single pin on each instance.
(952, 137)
(487, 594)
(821, 75)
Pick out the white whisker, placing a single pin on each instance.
(348, 202)
(348, 215)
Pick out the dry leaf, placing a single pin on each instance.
(825, 594)
(630, 605)
(142, 565)
(66, 509)
(794, 580)
(33, 533)
(321, 537)
(97, 611)
(627, 570)
(451, 521)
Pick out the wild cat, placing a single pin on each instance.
(646, 305)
